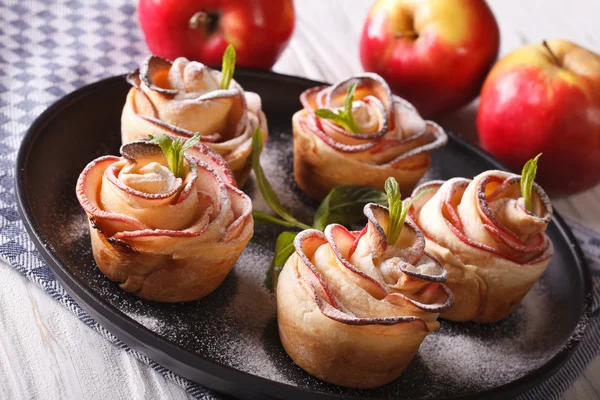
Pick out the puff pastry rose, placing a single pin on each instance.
(492, 246)
(163, 237)
(353, 309)
(391, 138)
(182, 98)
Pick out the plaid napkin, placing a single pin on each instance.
(50, 48)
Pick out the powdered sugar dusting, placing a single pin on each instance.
(458, 355)
(236, 325)
(74, 229)
(240, 326)
(249, 313)
(231, 333)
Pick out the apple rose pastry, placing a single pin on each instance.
(354, 308)
(182, 98)
(164, 236)
(357, 133)
(492, 245)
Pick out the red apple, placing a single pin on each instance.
(201, 29)
(545, 98)
(434, 53)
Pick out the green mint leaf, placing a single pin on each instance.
(261, 218)
(392, 190)
(397, 210)
(265, 187)
(344, 117)
(353, 126)
(180, 149)
(349, 100)
(284, 248)
(228, 67)
(336, 119)
(263, 184)
(191, 142)
(328, 114)
(177, 146)
(344, 205)
(406, 207)
(174, 150)
(166, 145)
(527, 177)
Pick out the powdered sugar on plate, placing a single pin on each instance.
(236, 325)
(478, 357)
(235, 319)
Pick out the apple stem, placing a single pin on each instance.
(407, 34)
(556, 60)
(199, 19)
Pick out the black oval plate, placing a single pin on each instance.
(228, 341)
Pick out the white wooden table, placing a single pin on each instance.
(46, 352)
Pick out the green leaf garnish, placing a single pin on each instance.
(174, 150)
(527, 177)
(392, 190)
(343, 117)
(261, 218)
(265, 187)
(228, 67)
(344, 205)
(284, 248)
(397, 210)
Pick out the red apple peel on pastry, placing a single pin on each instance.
(489, 234)
(165, 225)
(356, 132)
(181, 98)
(354, 306)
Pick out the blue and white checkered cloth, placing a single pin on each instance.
(50, 48)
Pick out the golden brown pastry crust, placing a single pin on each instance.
(182, 98)
(493, 248)
(394, 140)
(164, 238)
(352, 310)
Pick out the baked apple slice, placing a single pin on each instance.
(181, 98)
(489, 236)
(164, 235)
(357, 133)
(354, 307)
